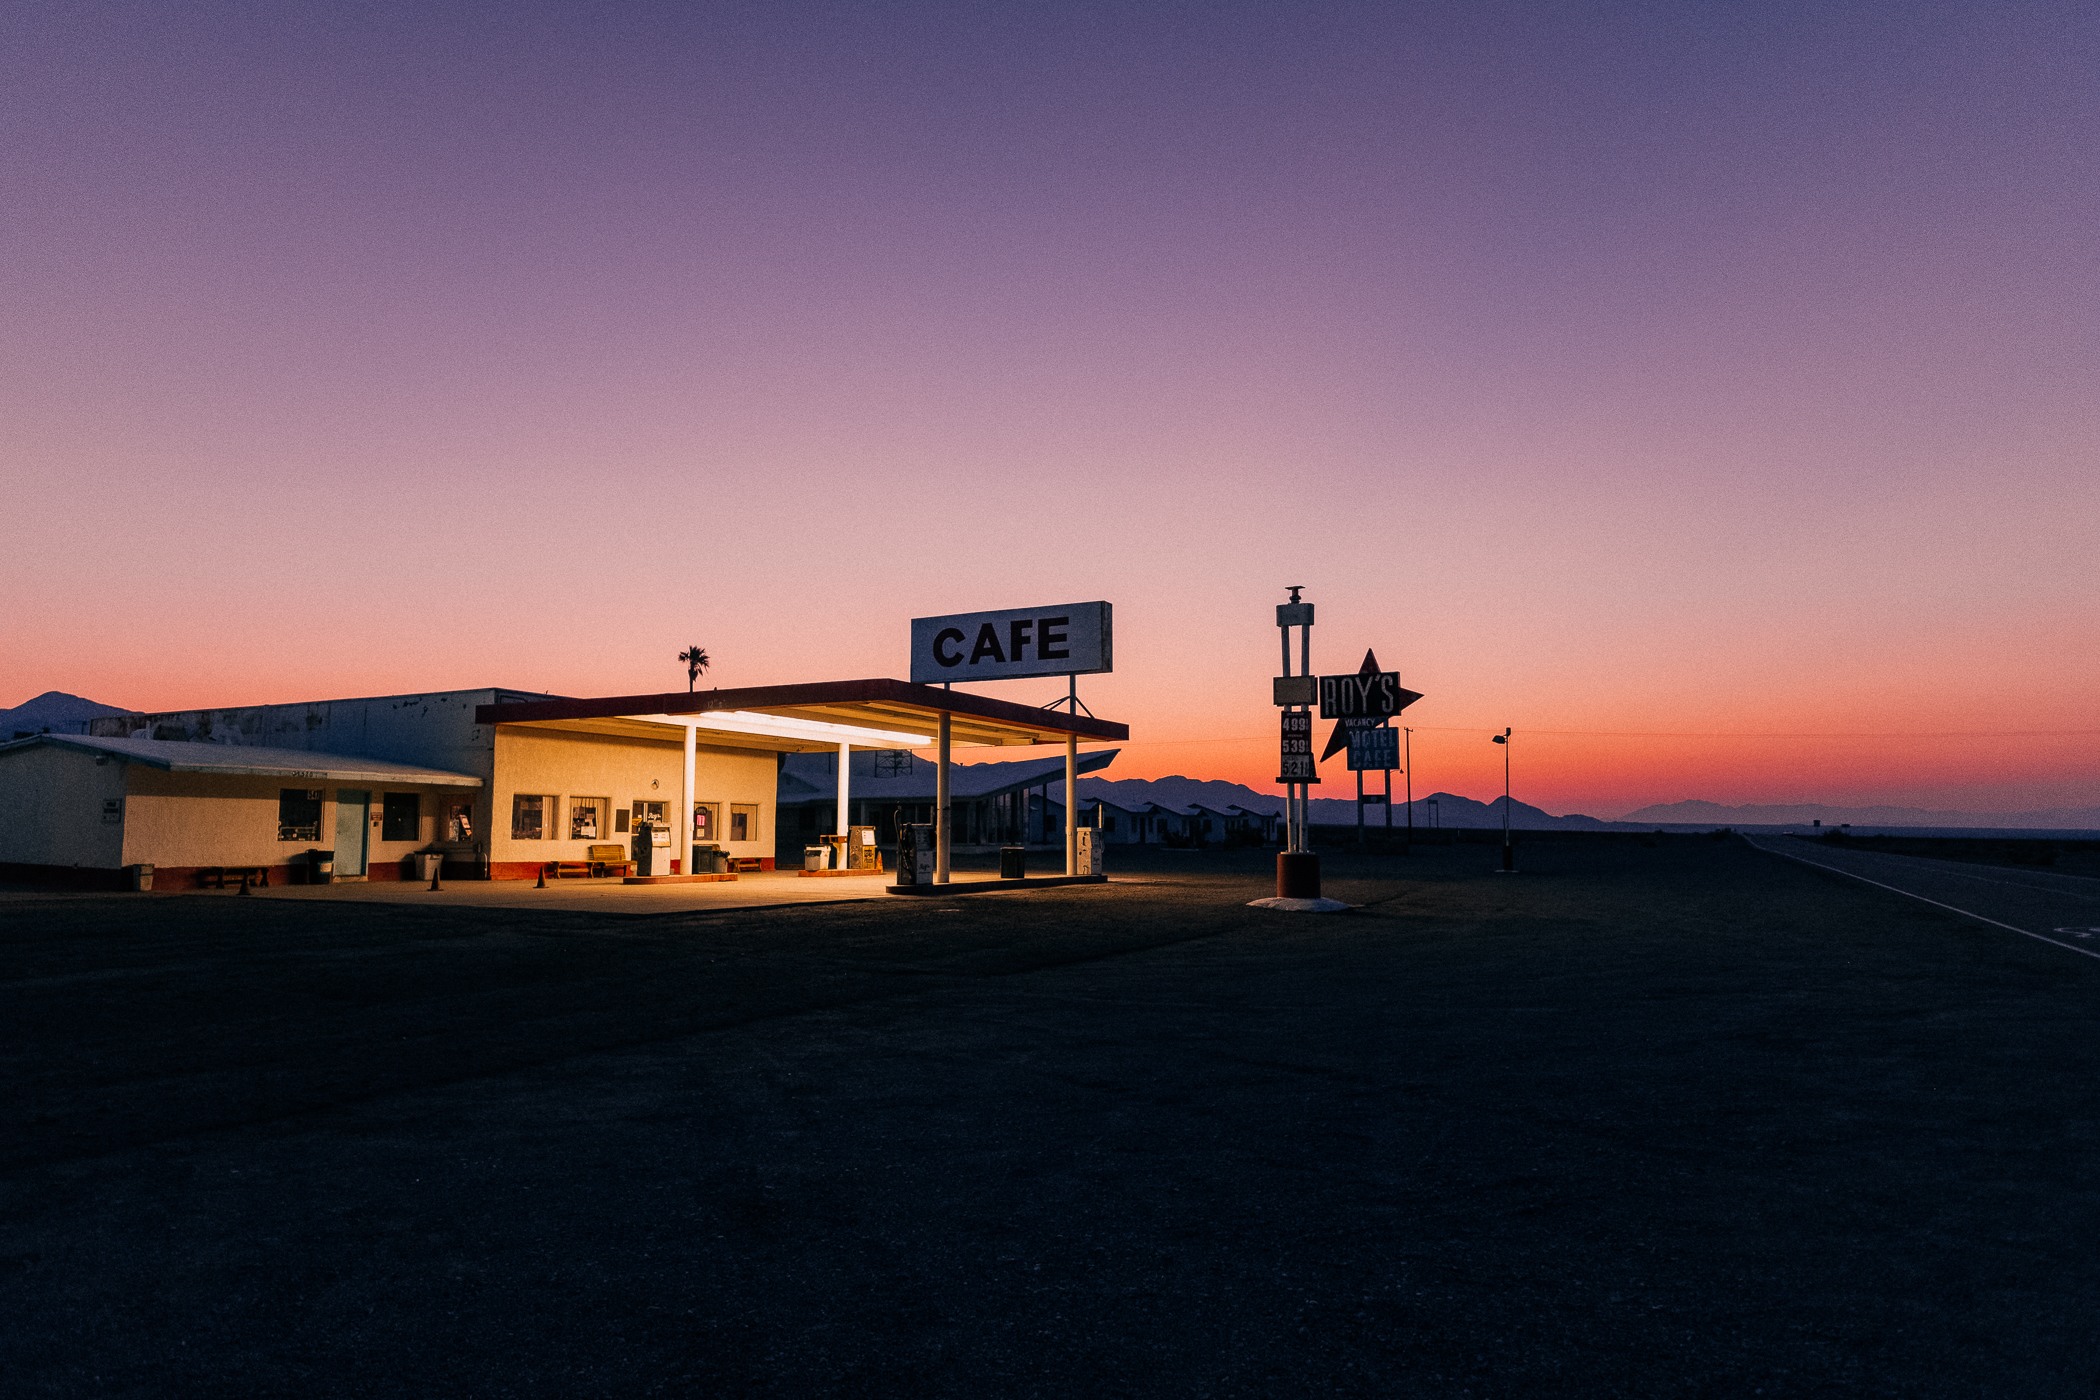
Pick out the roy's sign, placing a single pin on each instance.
(1372, 695)
(1071, 639)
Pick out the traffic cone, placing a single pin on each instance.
(543, 879)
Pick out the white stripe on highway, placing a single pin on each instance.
(1965, 913)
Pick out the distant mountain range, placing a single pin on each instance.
(1700, 813)
(56, 711)
(1440, 809)
(61, 713)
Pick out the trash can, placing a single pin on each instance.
(320, 867)
(709, 860)
(142, 877)
(1013, 862)
(430, 863)
(814, 857)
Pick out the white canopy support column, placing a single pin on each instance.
(845, 778)
(1071, 804)
(684, 849)
(940, 806)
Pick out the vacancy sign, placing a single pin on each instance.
(1071, 639)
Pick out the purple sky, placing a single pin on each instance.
(1642, 369)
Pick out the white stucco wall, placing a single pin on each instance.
(563, 765)
(190, 819)
(51, 808)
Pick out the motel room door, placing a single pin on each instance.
(352, 823)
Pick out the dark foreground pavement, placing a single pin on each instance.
(1686, 1120)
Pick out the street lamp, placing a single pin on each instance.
(1509, 855)
(1408, 769)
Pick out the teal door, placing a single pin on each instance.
(353, 810)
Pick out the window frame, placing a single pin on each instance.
(519, 807)
(713, 809)
(390, 811)
(299, 831)
(749, 811)
(602, 806)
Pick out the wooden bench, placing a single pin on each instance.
(211, 877)
(745, 865)
(609, 859)
(568, 870)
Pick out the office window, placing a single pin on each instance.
(457, 822)
(650, 812)
(298, 814)
(401, 817)
(528, 818)
(587, 818)
(743, 822)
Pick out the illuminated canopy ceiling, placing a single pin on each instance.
(869, 714)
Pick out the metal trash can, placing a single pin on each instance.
(815, 857)
(320, 867)
(142, 876)
(1013, 862)
(710, 859)
(430, 863)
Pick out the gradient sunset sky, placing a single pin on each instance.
(1706, 391)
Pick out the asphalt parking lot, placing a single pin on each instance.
(1668, 1119)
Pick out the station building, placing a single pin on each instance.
(497, 782)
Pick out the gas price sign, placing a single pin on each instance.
(1298, 765)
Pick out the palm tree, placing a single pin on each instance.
(695, 662)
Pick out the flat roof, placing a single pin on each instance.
(806, 718)
(180, 756)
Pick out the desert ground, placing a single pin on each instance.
(1655, 1116)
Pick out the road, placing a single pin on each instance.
(2059, 909)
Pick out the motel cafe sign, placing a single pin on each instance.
(1070, 639)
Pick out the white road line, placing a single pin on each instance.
(1986, 879)
(1965, 913)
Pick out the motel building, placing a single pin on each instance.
(990, 804)
(499, 784)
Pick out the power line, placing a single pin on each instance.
(1672, 734)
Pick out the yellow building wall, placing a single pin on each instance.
(624, 771)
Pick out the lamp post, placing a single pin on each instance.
(1509, 855)
(1407, 770)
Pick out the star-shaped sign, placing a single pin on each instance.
(1339, 739)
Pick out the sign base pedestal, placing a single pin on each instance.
(1297, 875)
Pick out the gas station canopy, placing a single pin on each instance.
(877, 714)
